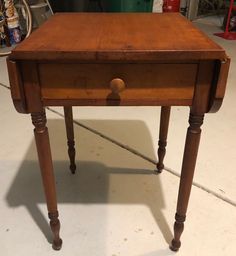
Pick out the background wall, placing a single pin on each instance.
(83, 5)
(69, 5)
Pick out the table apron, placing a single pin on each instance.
(40, 84)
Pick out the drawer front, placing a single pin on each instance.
(130, 84)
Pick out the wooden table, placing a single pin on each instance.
(96, 59)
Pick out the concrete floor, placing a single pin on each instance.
(115, 205)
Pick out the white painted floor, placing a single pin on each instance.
(115, 205)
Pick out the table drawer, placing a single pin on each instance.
(134, 84)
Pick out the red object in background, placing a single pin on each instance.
(171, 5)
(227, 34)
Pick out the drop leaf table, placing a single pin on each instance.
(103, 59)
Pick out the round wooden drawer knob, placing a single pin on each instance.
(117, 85)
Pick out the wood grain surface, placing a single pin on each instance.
(118, 37)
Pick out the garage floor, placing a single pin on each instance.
(115, 205)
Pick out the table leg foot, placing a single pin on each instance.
(55, 227)
(73, 168)
(159, 167)
(178, 230)
(57, 245)
(175, 246)
(164, 124)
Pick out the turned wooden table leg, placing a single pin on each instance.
(70, 137)
(164, 124)
(46, 166)
(188, 166)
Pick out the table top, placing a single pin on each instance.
(117, 37)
